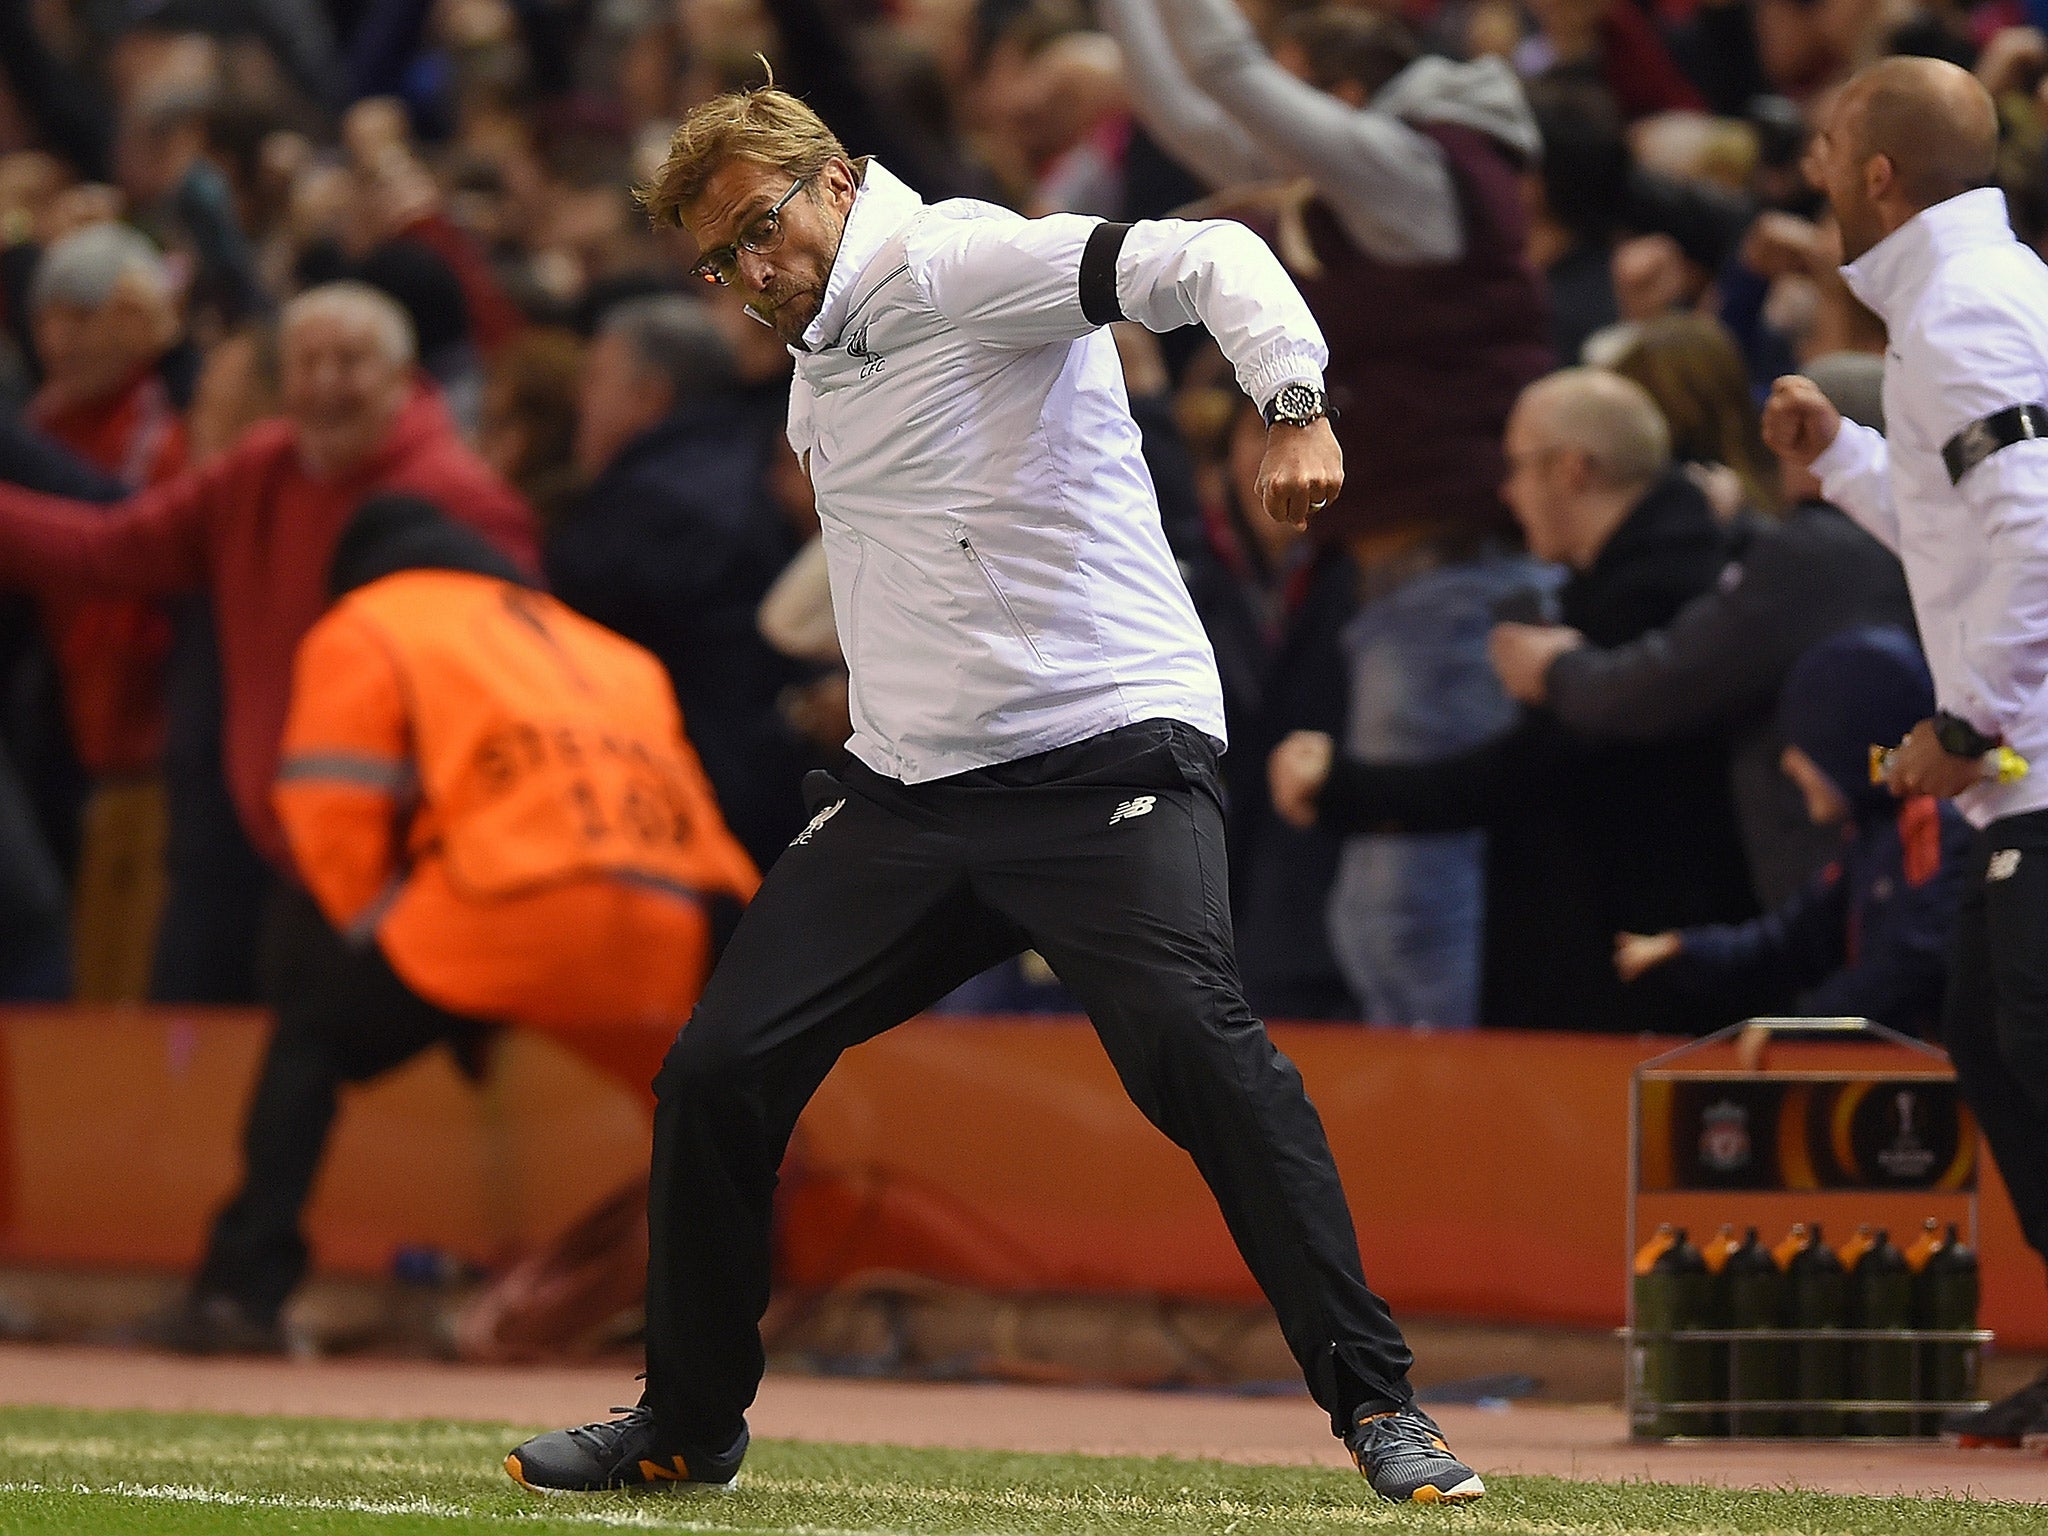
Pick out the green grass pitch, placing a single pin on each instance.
(196, 1475)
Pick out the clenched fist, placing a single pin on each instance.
(1799, 421)
(1302, 472)
(1296, 774)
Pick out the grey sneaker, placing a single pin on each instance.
(622, 1453)
(1403, 1456)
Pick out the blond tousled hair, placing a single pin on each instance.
(765, 125)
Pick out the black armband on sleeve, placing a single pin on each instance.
(1969, 447)
(1099, 305)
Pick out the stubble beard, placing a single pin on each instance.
(793, 316)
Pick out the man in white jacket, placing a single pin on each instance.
(1036, 722)
(1957, 486)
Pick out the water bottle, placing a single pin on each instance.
(1759, 1370)
(1881, 1298)
(1673, 1292)
(1819, 1299)
(1715, 1253)
(1945, 1296)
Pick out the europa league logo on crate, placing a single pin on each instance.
(1740, 1133)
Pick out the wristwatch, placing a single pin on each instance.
(1959, 738)
(1296, 405)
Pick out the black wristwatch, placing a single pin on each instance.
(1296, 405)
(1959, 738)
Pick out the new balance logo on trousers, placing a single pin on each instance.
(1137, 806)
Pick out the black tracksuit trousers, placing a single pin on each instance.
(1995, 1018)
(1107, 858)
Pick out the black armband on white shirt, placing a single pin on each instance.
(1099, 303)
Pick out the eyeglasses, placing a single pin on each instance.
(763, 235)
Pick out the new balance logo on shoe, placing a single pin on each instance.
(1130, 810)
(817, 821)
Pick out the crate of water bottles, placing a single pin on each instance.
(1814, 1323)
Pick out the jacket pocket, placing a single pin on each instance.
(988, 577)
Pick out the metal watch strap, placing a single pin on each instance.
(2000, 430)
(1320, 399)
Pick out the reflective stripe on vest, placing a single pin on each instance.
(546, 748)
(358, 769)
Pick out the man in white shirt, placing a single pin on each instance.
(1957, 486)
(1036, 723)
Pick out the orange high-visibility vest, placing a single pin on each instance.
(500, 791)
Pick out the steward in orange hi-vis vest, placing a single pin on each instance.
(500, 793)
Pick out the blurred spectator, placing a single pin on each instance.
(1245, 586)
(1072, 120)
(1690, 366)
(1407, 236)
(255, 527)
(1619, 42)
(104, 318)
(1582, 831)
(1282, 874)
(427, 289)
(216, 883)
(499, 822)
(180, 197)
(1738, 49)
(35, 930)
(1578, 201)
(1722, 660)
(1274, 607)
(1868, 936)
(674, 544)
(884, 94)
(528, 428)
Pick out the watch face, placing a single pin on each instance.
(1295, 402)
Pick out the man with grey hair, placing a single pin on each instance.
(676, 540)
(1582, 832)
(1720, 664)
(255, 527)
(103, 312)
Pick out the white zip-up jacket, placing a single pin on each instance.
(1967, 308)
(1000, 580)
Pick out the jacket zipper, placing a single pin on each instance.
(852, 641)
(974, 555)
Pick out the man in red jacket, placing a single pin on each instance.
(257, 526)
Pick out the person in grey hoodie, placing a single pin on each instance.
(1389, 183)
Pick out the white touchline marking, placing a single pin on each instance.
(629, 1519)
(1019, 1501)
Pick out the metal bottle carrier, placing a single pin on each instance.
(1682, 1100)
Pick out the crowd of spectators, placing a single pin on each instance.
(1522, 729)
